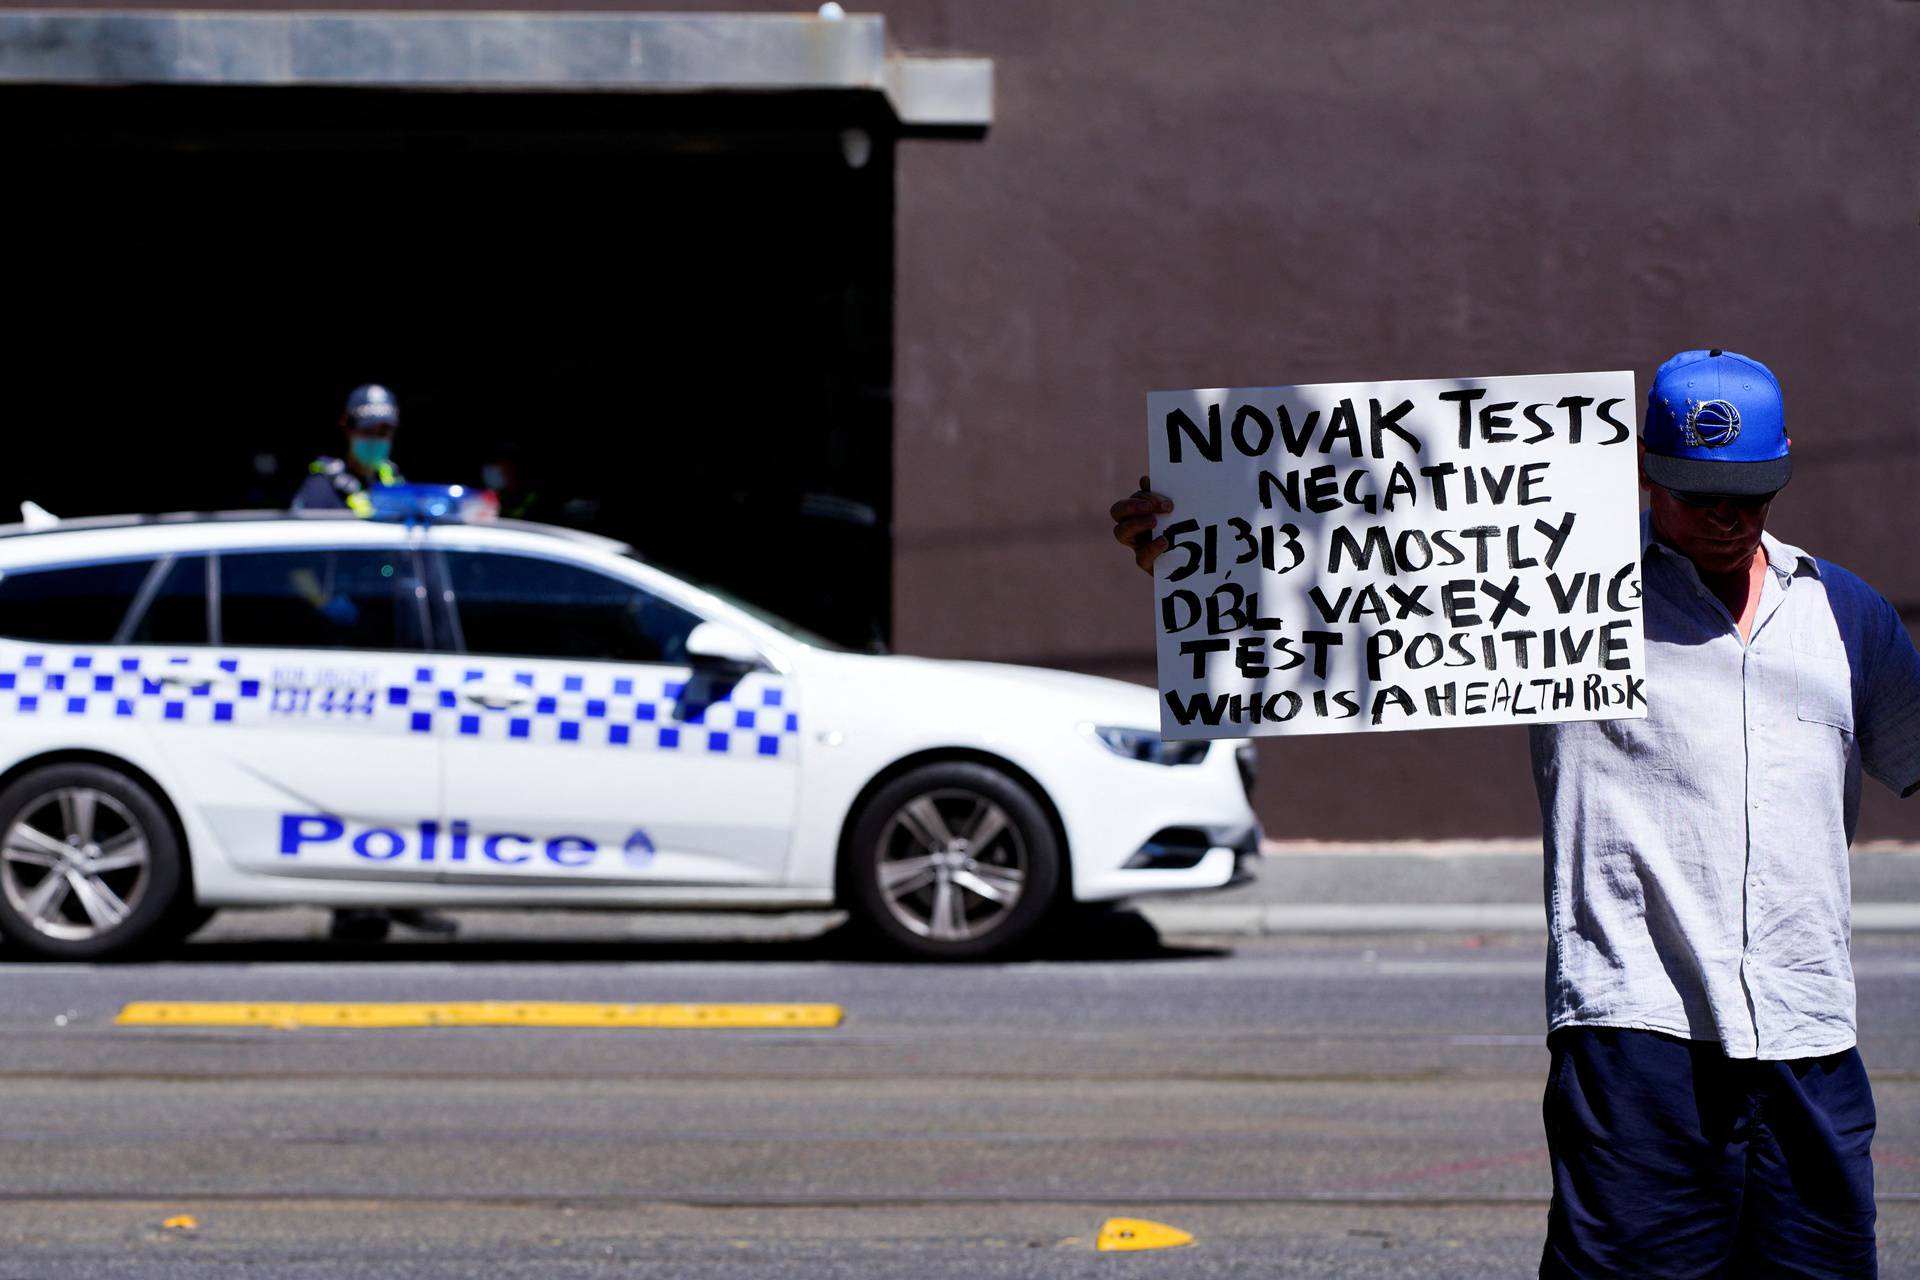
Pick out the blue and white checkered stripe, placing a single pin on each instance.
(663, 709)
(125, 687)
(648, 708)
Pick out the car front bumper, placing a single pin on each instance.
(1183, 859)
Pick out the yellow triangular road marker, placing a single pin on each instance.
(1139, 1233)
(181, 1222)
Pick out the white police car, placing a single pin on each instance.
(203, 712)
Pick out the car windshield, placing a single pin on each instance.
(752, 610)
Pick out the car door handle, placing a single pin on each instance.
(498, 699)
(185, 679)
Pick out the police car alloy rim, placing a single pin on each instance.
(75, 864)
(952, 865)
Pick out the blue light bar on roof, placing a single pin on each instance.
(433, 504)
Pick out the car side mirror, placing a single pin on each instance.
(714, 644)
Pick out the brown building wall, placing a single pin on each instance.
(1240, 194)
(1258, 192)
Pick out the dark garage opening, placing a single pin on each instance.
(671, 313)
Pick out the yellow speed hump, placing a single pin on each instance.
(1124, 1234)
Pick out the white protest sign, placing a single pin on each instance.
(1397, 555)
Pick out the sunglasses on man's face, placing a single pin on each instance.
(1739, 501)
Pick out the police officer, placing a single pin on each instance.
(371, 418)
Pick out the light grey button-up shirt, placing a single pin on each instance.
(1696, 860)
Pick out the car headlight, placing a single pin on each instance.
(1146, 744)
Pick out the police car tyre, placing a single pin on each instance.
(90, 867)
(952, 861)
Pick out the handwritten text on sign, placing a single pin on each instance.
(1397, 555)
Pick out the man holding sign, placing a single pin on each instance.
(1699, 716)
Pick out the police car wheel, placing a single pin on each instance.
(89, 865)
(953, 861)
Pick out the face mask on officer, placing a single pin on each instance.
(371, 451)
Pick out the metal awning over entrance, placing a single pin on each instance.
(496, 51)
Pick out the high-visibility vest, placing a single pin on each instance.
(346, 483)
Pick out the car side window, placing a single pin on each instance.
(81, 604)
(176, 606)
(524, 606)
(319, 599)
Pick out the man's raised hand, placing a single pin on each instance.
(1134, 519)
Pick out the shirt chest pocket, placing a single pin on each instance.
(1823, 687)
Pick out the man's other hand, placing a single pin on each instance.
(1134, 519)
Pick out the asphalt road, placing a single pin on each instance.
(1325, 1107)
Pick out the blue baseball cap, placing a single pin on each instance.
(372, 405)
(1716, 424)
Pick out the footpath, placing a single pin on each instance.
(1455, 887)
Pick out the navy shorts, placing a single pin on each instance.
(1671, 1159)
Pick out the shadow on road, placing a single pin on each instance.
(1083, 936)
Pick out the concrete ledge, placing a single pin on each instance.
(494, 51)
(1255, 919)
(1492, 846)
(950, 92)
(1470, 874)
